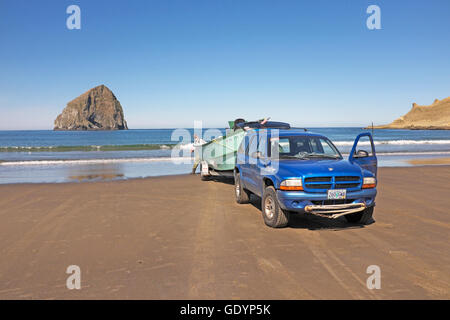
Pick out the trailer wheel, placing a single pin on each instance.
(363, 217)
(203, 177)
(273, 215)
(242, 195)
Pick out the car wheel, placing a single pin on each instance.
(242, 195)
(363, 217)
(273, 215)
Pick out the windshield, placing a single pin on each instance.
(303, 147)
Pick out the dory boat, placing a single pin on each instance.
(218, 156)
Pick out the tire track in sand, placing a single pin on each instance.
(201, 280)
(356, 288)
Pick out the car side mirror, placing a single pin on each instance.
(361, 154)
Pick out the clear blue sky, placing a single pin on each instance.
(170, 62)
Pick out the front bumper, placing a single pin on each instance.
(300, 201)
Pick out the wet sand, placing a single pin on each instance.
(433, 161)
(180, 238)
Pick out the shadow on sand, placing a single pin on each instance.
(312, 222)
(225, 180)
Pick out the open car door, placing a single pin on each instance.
(363, 153)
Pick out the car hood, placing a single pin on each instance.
(297, 168)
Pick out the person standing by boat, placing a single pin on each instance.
(198, 142)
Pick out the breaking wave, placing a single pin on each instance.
(395, 142)
(189, 146)
(95, 161)
(132, 147)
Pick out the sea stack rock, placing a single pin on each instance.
(96, 109)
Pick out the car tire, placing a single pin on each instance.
(242, 195)
(363, 217)
(273, 215)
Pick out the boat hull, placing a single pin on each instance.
(220, 153)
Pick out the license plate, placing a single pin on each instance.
(337, 194)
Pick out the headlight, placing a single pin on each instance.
(369, 182)
(291, 184)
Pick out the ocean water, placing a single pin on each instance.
(67, 156)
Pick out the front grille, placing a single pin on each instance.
(347, 178)
(322, 184)
(318, 179)
(319, 186)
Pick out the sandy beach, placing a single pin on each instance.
(180, 238)
(432, 161)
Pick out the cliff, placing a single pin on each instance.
(96, 109)
(435, 116)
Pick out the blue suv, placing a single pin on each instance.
(295, 171)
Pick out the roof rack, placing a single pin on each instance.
(304, 129)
